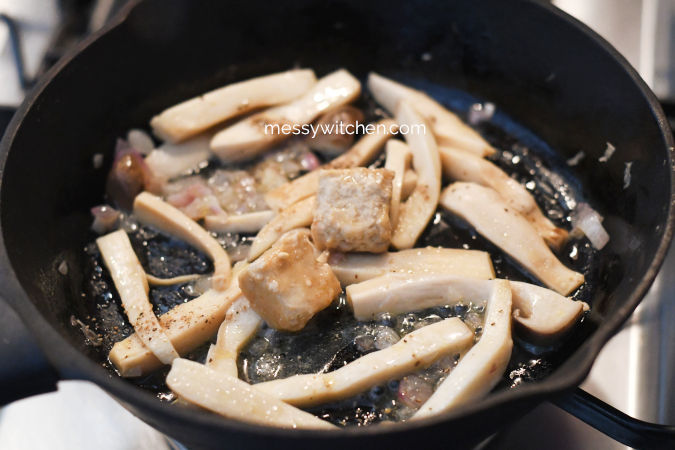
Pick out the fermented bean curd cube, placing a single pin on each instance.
(352, 210)
(288, 284)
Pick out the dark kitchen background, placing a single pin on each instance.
(635, 371)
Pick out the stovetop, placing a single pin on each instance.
(635, 372)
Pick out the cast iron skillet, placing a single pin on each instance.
(544, 69)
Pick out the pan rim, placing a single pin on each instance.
(71, 363)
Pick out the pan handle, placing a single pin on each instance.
(614, 423)
(24, 371)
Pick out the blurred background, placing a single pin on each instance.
(635, 371)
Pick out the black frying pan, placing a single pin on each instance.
(547, 71)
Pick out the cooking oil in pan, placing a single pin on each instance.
(333, 337)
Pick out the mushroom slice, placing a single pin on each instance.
(188, 326)
(197, 114)
(171, 160)
(361, 153)
(446, 126)
(492, 217)
(156, 281)
(132, 286)
(247, 138)
(463, 166)
(239, 326)
(357, 267)
(409, 184)
(482, 367)
(415, 213)
(152, 210)
(544, 314)
(398, 160)
(398, 293)
(299, 215)
(239, 223)
(413, 352)
(235, 399)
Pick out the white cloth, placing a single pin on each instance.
(78, 416)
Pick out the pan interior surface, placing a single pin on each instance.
(543, 73)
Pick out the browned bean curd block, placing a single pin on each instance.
(289, 283)
(352, 210)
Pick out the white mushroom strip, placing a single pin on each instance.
(463, 166)
(482, 367)
(152, 210)
(298, 215)
(132, 287)
(357, 267)
(446, 126)
(415, 213)
(247, 138)
(235, 399)
(156, 281)
(413, 352)
(240, 325)
(409, 184)
(239, 223)
(398, 293)
(197, 114)
(505, 227)
(544, 314)
(171, 160)
(398, 160)
(360, 154)
(188, 326)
